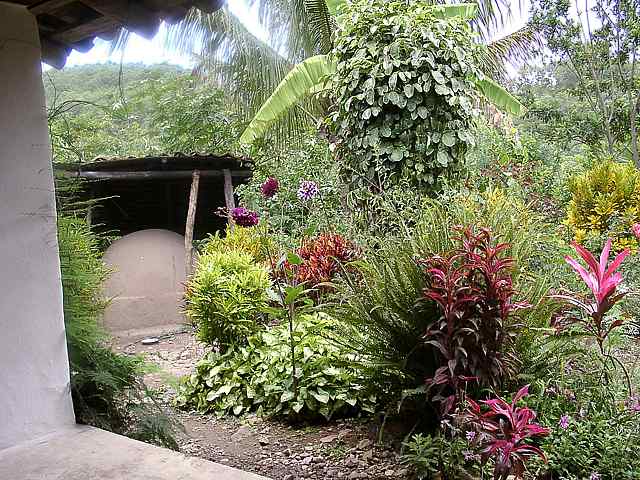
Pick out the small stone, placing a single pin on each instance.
(263, 442)
(242, 433)
(368, 455)
(389, 473)
(288, 477)
(329, 439)
(150, 341)
(364, 444)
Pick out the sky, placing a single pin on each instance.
(140, 50)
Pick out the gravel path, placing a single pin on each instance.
(342, 449)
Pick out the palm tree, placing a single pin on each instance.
(250, 69)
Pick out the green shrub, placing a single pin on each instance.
(98, 376)
(404, 94)
(605, 203)
(599, 432)
(258, 376)
(436, 457)
(225, 297)
(106, 387)
(253, 241)
(384, 321)
(526, 166)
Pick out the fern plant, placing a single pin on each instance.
(382, 307)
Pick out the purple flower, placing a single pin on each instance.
(634, 404)
(471, 435)
(595, 476)
(564, 422)
(269, 187)
(243, 217)
(307, 190)
(470, 456)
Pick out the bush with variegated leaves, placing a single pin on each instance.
(258, 377)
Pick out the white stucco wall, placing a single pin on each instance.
(34, 373)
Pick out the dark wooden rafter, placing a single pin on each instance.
(156, 175)
(67, 25)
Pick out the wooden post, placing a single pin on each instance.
(229, 201)
(191, 218)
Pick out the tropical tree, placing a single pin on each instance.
(312, 76)
(250, 66)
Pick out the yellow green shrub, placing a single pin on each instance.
(605, 203)
(253, 241)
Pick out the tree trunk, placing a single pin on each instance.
(229, 201)
(634, 132)
(191, 218)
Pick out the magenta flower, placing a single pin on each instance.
(471, 435)
(564, 422)
(636, 230)
(307, 190)
(269, 187)
(244, 218)
(595, 476)
(600, 278)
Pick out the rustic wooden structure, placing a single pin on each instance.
(66, 25)
(177, 192)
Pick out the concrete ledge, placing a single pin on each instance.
(87, 453)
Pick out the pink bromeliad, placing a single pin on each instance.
(603, 279)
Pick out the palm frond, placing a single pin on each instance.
(321, 23)
(514, 49)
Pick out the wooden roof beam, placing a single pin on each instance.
(47, 6)
(133, 16)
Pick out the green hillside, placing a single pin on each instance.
(104, 110)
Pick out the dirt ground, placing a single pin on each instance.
(343, 449)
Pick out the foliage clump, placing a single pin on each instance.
(605, 203)
(473, 287)
(248, 240)
(405, 94)
(323, 257)
(258, 376)
(384, 321)
(225, 297)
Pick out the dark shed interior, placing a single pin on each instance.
(153, 192)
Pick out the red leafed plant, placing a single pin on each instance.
(603, 280)
(322, 257)
(473, 287)
(502, 433)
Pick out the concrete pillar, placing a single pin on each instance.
(34, 372)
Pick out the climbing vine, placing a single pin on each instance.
(405, 94)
